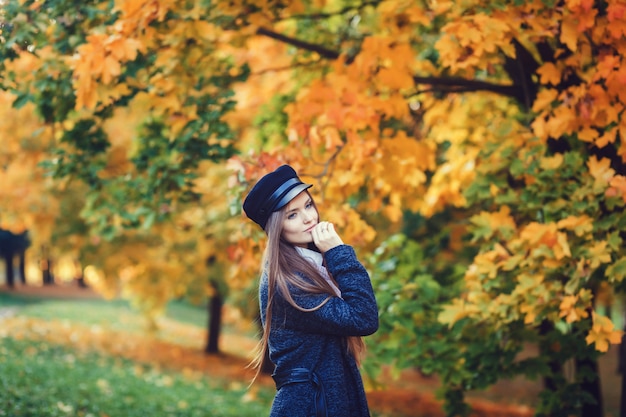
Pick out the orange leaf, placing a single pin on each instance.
(618, 187)
(549, 74)
(545, 98)
(110, 69)
(588, 134)
(608, 137)
(569, 34)
(395, 78)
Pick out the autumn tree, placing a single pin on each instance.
(131, 96)
(509, 113)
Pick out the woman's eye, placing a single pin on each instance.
(291, 216)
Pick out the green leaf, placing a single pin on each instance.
(617, 271)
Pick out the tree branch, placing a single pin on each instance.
(463, 85)
(319, 49)
(438, 84)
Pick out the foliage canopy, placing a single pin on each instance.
(484, 135)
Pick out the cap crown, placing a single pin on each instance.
(271, 193)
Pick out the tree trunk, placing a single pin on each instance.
(80, 275)
(46, 272)
(215, 322)
(591, 387)
(22, 267)
(8, 260)
(46, 267)
(556, 368)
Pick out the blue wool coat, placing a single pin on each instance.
(316, 340)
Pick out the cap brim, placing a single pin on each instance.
(291, 194)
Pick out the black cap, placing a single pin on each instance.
(272, 193)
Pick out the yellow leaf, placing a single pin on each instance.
(530, 313)
(569, 33)
(417, 14)
(563, 120)
(549, 74)
(535, 232)
(588, 134)
(608, 137)
(579, 224)
(601, 171)
(552, 162)
(496, 221)
(86, 93)
(456, 311)
(602, 333)
(544, 99)
(561, 248)
(618, 187)
(569, 310)
(539, 127)
(599, 253)
(110, 69)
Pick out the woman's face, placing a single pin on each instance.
(300, 218)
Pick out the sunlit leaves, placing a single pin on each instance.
(100, 60)
(603, 333)
(467, 42)
(487, 224)
(601, 172)
(570, 311)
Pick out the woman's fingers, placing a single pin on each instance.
(325, 237)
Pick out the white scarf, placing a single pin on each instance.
(317, 259)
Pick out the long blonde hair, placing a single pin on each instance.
(284, 267)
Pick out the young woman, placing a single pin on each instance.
(316, 303)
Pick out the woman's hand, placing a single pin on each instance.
(325, 237)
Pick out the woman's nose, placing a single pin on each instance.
(307, 217)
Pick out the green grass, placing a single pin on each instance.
(185, 312)
(40, 380)
(44, 380)
(115, 314)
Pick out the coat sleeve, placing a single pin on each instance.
(354, 314)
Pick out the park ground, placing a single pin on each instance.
(178, 345)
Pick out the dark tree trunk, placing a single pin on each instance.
(215, 322)
(8, 261)
(46, 272)
(591, 387)
(556, 368)
(46, 267)
(80, 276)
(585, 366)
(80, 279)
(22, 267)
